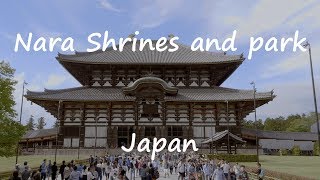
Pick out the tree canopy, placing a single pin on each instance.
(291, 123)
(41, 123)
(30, 124)
(11, 131)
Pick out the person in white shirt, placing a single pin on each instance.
(90, 176)
(236, 170)
(166, 168)
(206, 171)
(108, 170)
(74, 175)
(226, 169)
(84, 173)
(67, 171)
(218, 174)
(103, 167)
(181, 169)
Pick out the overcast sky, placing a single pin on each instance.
(287, 72)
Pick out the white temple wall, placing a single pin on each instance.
(285, 144)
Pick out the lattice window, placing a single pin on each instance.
(150, 131)
(123, 131)
(175, 131)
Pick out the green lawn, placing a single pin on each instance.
(308, 166)
(7, 164)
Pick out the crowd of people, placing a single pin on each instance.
(130, 166)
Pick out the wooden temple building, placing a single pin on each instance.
(150, 93)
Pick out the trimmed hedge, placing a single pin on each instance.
(234, 157)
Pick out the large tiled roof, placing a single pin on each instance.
(280, 135)
(39, 133)
(184, 55)
(116, 94)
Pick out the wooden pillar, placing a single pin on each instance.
(199, 77)
(82, 126)
(27, 145)
(96, 119)
(190, 115)
(217, 114)
(136, 113)
(61, 126)
(187, 80)
(109, 123)
(113, 76)
(164, 113)
(216, 147)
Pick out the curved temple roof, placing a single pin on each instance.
(150, 80)
(184, 55)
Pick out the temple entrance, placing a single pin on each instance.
(175, 132)
(122, 142)
(150, 132)
(124, 136)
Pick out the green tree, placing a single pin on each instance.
(275, 124)
(41, 123)
(298, 125)
(55, 125)
(252, 125)
(30, 124)
(316, 148)
(291, 118)
(296, 151)
(10, 130)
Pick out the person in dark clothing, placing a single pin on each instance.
(144, 172)
(171, 167)
(54, 171)
(61, 170)
(15, 176)
(260, 172)
(35, 175)
(99, 171)
(26, 173)
(91, 160)
(151, 172)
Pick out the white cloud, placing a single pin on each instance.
(310, 16)
(55, 80)
(266, 15)
(52, 81)
(105, 4)
(150, 14)
(292, 63)
(292, 97)
(28, 108)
